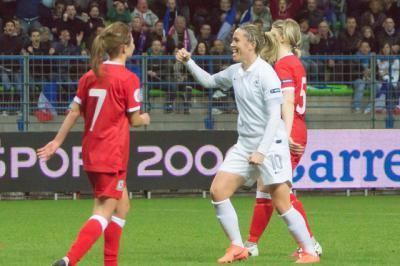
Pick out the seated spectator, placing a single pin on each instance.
(312, 14)
(349, 38)
(141, 38)
(74, 25)
(35, 46)
(363, 80)
(205, 34)
(258, 11)
(388, 72)
(119, 12)
(28, 14)
(142, 10)
(201, 49)
(20, 34)
(283, 9)
(180, 88)
(369, 36)
(259, 24)
(94, 20)
(57, 13)
(10, 70)
(218, 48)
(157, 33)
(182, 35)
(374, 16)
(392, 10)
(92, 36)
(388, 34)
(307, 38)
(46, 37)
(325, 44)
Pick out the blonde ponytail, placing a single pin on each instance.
(270, 50)
(97, 54)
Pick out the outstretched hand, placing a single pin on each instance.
(48, 150)
(182, 55)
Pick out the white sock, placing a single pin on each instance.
(228, 219)
(298, 229)
(66, 259)
(103, 221)
(262, 195)
(119, 221)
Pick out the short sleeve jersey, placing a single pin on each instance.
(105, 102)
(291, 72)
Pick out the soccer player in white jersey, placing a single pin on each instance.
(262, 148)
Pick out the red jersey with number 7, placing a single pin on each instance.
(291, 72)
(104, 103)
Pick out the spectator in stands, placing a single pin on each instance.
(283, 9)
(374, 16)
(141, 38)
(10, 70)
(205, 34)
(142, 10)
(180, 89)
(170, 15)
(392, 10)
(369, 36)
(325, 44)
(45, 37)
(70, 22)
(218, 15)
(182, 35)
(157, 33)
(388, 34)
(389, 71)
(35, 46)
(201, 49)
(119, 12)
(157, 69)
(56, 15)
(259, 11)
(363, 81)
(312, 14)
(307, 38)
(94, 20)
(218, 48)
(20, 34)
(93, 35)
(349, 38)
(28, 14)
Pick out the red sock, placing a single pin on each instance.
(112, 236)
(87, 236)
(262, 213)
(299, 207)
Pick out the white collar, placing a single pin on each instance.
(250, 68)
(109, 62)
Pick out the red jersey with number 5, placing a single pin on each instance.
(104, 103)
(291, 72)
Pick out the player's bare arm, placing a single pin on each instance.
(136, 119)
(50, 148)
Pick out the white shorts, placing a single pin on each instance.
(275, 169)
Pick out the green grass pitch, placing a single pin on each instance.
(184, 231)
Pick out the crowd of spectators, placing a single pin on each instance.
(159, 27)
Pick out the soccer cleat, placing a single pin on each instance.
(252, 248)
(317, 248)
(59, 263)
(307, 258)
(234, 253)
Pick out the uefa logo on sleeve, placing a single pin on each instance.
(137, 95)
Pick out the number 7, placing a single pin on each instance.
(101, 95)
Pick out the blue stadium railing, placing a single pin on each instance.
(23, 78)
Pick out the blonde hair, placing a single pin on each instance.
(289, 30)
(254, 35)
(109, 42)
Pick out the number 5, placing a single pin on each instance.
(302, 109)
(101, 95)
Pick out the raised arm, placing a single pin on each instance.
(220, 79)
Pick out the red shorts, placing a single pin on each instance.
(295, 159)
(107, 185)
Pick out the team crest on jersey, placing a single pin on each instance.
(276, 90)
(120, 185)
(137, 95)
(256, 83)
(286, 81)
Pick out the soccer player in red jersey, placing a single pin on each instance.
(108, 98)
(283, 43)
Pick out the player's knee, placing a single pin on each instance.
(216, 193)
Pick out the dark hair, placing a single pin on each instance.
(197, 47)
(109, 42)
